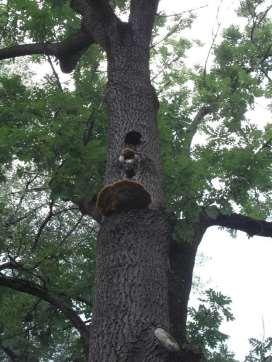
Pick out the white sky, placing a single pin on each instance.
(240, 268)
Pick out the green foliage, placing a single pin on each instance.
(204, 325)
(260, 350)
(232, 165)
(222, 355)
(62, 132)
(204, 322)
(60, 259)
(35, 331)
(37, 21)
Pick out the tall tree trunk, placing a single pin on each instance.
(132, 105)
(143, 282)
(134, 274)
(132, 288)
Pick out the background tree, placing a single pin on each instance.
(260, 350)
(53, 141)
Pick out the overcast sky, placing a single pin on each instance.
(240, 268)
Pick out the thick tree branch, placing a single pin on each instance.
(28, 49)
(67, 52)
(98, 19)
(102, 9)
(247, 224)
(96, 27)
(141, 18)
(28, 287)
(12, 264)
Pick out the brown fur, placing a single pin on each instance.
(128, 154)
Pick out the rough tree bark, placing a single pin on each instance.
(132, 287)
(133, 265)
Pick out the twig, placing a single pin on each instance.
(12, 220)
(182, 12)
(12, 265)
(55, 73)
(214, 38)
(165, 65)
(47, 219)
(28, 183)
(171, 32)
(263, 15)
(70, 232)
(43, 225)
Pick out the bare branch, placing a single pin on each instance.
(247, 224)
(263, 15)
(26, 189)
(28, 49)
(28, 287)
(257, 19)
(46, 220)
(12, 219)
(182, 12)
(55, 73)
(70, 232)
(43, 224)
(215, 34)
(18, 266)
